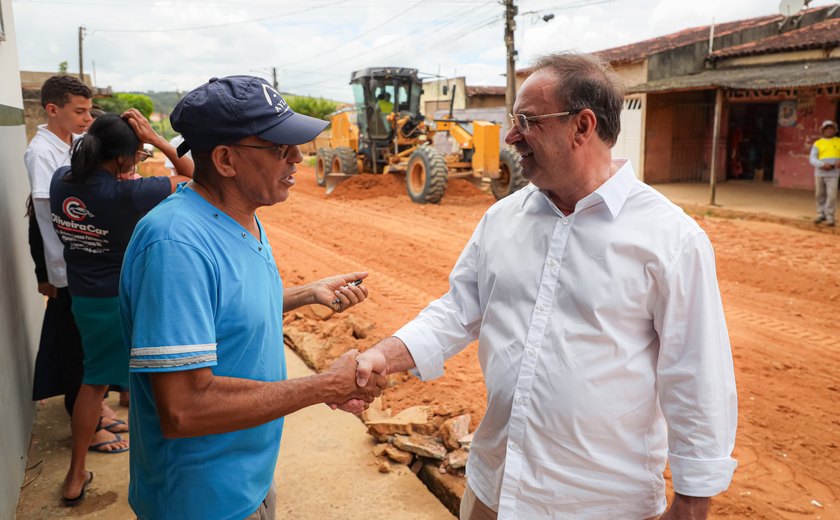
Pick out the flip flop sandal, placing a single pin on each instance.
(99, 445)
(117, 426)
(72, 502)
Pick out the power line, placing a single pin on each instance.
(389, 20)
(448, 38)
(348, 68)
(445, 39)
(216, 26)
(410, 37)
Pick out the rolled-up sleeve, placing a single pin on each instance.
(450, 323)
(695, 374)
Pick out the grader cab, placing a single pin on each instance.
(386, 133)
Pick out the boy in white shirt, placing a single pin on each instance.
(58, 368)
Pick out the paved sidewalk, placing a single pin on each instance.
(748, 196)
(326, 471)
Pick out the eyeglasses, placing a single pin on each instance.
(522, 122)
(142, 155)
(281, 149)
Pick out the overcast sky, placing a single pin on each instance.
(179, 44)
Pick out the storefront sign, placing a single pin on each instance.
(831, 91)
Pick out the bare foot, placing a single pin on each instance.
(74, 485)
(114, 425)
(107, 411)
(124, 399)
(104, 436)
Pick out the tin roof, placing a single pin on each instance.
(824, 34)
(780, 75)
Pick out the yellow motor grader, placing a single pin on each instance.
(384, 132)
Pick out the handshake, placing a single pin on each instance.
(354, 380)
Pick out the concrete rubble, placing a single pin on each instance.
(436, 448)
(422, 445)
(453, 430)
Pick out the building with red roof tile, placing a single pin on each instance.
(775, 78)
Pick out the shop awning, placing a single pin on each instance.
(775, 76)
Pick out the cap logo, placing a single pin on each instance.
(274, 99)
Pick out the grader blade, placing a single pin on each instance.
(334, 179)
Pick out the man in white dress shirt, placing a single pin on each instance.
(601, 331)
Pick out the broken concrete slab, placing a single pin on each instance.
(454, 429)
(398, 455)
(457, 459)
(379, 449)
(422, 445)
(466, 441)
(404, 423)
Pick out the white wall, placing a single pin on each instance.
(21, 308)
(434, 99)
(631, 138)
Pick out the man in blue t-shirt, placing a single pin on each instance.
(201, 303)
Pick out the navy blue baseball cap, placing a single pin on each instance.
(225, 110)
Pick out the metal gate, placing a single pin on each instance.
(691, 141)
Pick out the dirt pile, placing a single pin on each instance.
(369, 186)
(463, 188)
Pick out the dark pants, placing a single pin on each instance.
(60, 363)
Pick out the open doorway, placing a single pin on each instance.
(751, 146)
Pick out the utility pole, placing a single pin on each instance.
(715, 135)
(510, 26)
(81, 54)
(274, 77)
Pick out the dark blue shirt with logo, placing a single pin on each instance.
(95, 220)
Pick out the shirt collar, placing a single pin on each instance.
(613, 192)
(53, 139)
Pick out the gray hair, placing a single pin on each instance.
(587, 81)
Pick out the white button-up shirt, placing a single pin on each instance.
(604, 350)
(47, 153)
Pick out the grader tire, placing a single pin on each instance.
(425, 177)
(344, 161)
(510, 175)
(323, 165)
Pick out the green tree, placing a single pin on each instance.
(122, 101)
(310, 106)
(141, 102)
(62, 67)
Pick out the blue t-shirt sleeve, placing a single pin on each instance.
(144, 194)
(169, 302)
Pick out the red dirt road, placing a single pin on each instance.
(781, 293)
